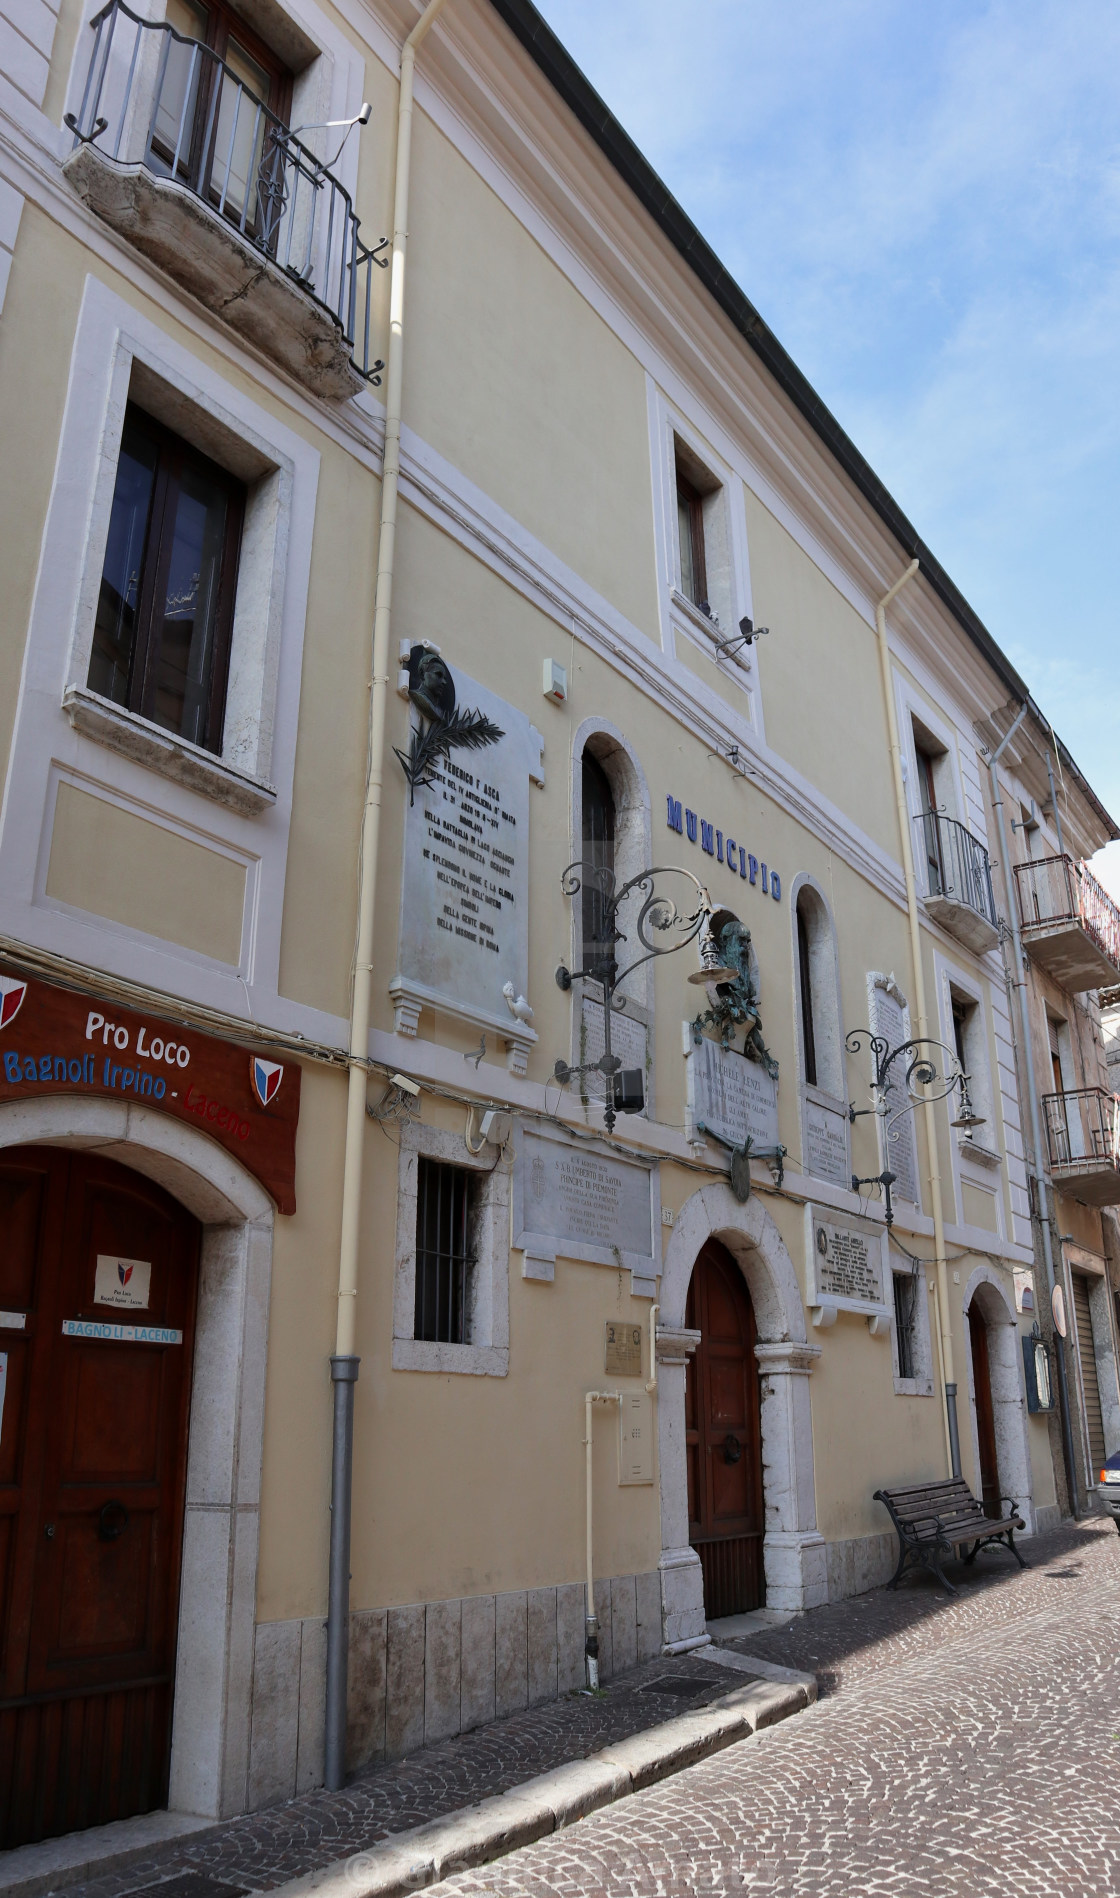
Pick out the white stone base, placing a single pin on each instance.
(860, 1563)
(796, 1569)
(682, 1597)
(426, 1671)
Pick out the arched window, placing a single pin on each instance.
(598, 852)
(804, 967)
(822, 1064)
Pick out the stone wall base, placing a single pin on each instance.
(421, 1673)
(860, 1563)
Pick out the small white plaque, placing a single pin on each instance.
(635, 1443)
(120, 1334)
(826, 1144)
(13, 1321)
(123, 1282)
(628, 1040)
(847, 1264)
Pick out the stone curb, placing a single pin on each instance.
(476, 1835)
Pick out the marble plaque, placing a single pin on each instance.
(734, 1097)
(846, 1262)
(900, 1146)
(464, 927)
(577, 1199)
(628, 1042)
(826, 1144)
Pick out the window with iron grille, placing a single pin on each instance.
(905, 1303)
(445, 1254)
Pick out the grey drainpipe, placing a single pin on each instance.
(1041, 1177)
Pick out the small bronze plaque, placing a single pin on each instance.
(624, 1350)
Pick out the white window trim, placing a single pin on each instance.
(811, 1093)
(922, 1384)
(633, 852)
(680, 619)
(110, 335)
(487, 1355)
(977, 1162)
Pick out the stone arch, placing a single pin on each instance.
(793, 1549)
(217, 1605)
(987, 1292)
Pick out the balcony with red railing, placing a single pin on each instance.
(1083, 1144)
(1070, 925)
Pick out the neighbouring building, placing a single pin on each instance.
(631, 614)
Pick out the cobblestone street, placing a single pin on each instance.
(959, 1747)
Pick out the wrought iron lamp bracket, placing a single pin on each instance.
(658, 912)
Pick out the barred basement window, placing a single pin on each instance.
(445, 1255)
(905, 1303)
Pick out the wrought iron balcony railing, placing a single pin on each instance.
(156, 100)
(1083, 1143)
(1069, 923)
(957, 877)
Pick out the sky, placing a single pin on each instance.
(922, 199)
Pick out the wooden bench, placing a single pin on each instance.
(933, 1519)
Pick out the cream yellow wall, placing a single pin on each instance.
(864, 1436)
(36, 336)
(512, 376)
(835, 732)
(114, 864)
(462, 1485)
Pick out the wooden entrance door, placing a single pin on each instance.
(1094, 1422)
(985, 1414)
(723, 1434)
(92, 1468)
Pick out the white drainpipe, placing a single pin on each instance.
(952, 1436)
(344, 1363)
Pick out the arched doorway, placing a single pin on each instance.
(985, 1411)
(98, 1286)
(723, 1435)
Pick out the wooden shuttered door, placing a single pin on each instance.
(1088, 1373)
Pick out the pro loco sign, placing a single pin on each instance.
(53, 1042)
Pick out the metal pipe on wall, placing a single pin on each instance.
(344, 1364)
(591, 1639)
(1035, 1119)
(948, 1374)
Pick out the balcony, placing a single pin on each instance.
(1083, 1144)
(178, 156)
(956, 880)
(1070, 926)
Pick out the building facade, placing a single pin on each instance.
(627, 581)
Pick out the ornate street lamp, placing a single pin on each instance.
(922, 1082)
(660, 927)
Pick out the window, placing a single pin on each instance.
(599, 853)
(444, 1253)
(451, 1274)
(808, 1031)
(906, 1286)
(931, 829)
(209, 128)
(690, 530)
(165, 609)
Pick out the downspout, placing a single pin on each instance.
(952, 1435)
(344, 1363)
(1038, 1170)
(591, 1638)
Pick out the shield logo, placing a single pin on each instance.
(266, 1077)
(124, 1272)
(11, 998)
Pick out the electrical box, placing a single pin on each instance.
(623, 1354)
(635, 1441)
(554, 683)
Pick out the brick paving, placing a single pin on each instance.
(265, 1849)
(960, 1747)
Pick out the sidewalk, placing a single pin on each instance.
(646, 1720)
